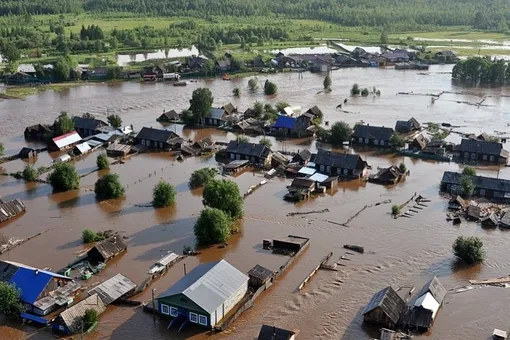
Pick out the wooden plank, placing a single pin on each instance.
(501, 280)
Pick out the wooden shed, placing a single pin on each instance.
(384, 308)
(107, 249)
(27, 153)
(259, 276)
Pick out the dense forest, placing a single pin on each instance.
(482, 70)
(409, 14)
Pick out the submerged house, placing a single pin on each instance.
(216, 117)
(205, 295)
(107, 249)
(480, 150)
(88, 127)
(391, 175)
(485, 187)
(275, 333)
(158, 139)
(302, 157)
(39, 131)
(384, 309)
(70, 321)
(255, 153)
(65, 141)
(169, 117)
(419, 143)
(407, 126)
(42, 291)
(340, 164)
(372, 135)
(27, 153)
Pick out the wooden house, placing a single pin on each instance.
(473, 212)
(302, 157)
(504, 221)
(229, 108)
(65, 141)
(419, 143)
(39, 132)
(223, 65)
(169, 117)
(71, 320)
(274, 333)
(27, 153)
(255, 153)
(250, 113)
(489, 221)
(378, 136)
(340, 164)
(258, 276)
(384, 309)
(88, 127)
(457, 203)
(205, 295)
(113, 289)
(216, 117)
(486, 187)
(481, 151)
(302, 185)
(158, 139)
(391, 175)
(107, 249)
(407, 126)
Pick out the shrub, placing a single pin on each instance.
(340, 132)
(266, 142)
(236, 92)
(201, 177)
(281, 105)
(89, 318)
(259, 108)
(402, 167)
(270, 88)
(63, 124)
(467, 186)
(30, 174)
(212, 226)
(253, 84)
(89, 236)
(355, 91)
(224, 195)
(115, 121)
(2, 149)
(242, 139)
(64, 177)
(469, 171)
(365, 92)
(469, 249)
(395, 209)
(10, 303)
(108, 187)
(397, 140)
(327, 82)
(102, 162)
(163, 195)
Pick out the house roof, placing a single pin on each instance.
(480, 146)
(113, 288)
(484, 136)
(307, 171)
(446, 53)
(248, 149)
(421, 140)
(436, 288)
(284, 122)
(315, 111)
(171, 115)
(83, 147)
(24, 153)
(390, 303)
(395, 55)
(302, 183)
(274, 333)
(67, 139)
(203, 143)
(87, 124)
(209, 285)
(73, 315)
(260, 272)
(391, 172)
(11, 208)
(473, 211)
(216, 113)
(317, 177)
(304, 155)
(157, 135)
(250, 113)
(229, 108)
(403, 125)
(279, 157)
(479, 182)
(372, 132)
(339, 160)
(111, 246)
(26, 68)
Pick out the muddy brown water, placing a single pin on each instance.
(401, 252)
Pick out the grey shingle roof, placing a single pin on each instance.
(372, 132)
(339, 160)
(216, 113)
(479, 146)
(87, 124)
(111, 246)
(248, 149)
(389, 301)
(209, 284)
(157, 135)
(73, 315)
(435, 288)
(480, 182)
(113, 288)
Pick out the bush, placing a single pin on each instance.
(108, 187)
(115, 121)
(355, 91)
(402, 167)
(469, 249)
(63, 124)
(270, 88)
(467, 186)
(236, 92)
(395, 209)
(213, 226)
(365, 92)
(397, 140)
(201, 177)
(89, 318)
(281, 105)
(224, 195)
(469, 171)
(259, 108)
(253, 84)
(163, 195)
(10, 303)
(242, 139)
(102, 162)
(64, 178)
(266, 142)
(327, 82)
(340, 132)
(30, 174)
(89, 236)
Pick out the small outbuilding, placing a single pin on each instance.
(27, 153)
(302, 157)
(407, 126)
(65, 141)
(391, 175)
(385, 308)
(169, 117)
(259, 276)
(113, 289)
(498, 334)
(70, 321)
(489, 221)
(107, 249)
(275, 333)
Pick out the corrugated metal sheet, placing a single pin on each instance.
(113, 288)
(167, 259)
(318, 178)
(30, 283)
(209, 285)
(11, 209)
(111, 247)
(83, 148)
(73, 315)
(306, 171)
(67, 139)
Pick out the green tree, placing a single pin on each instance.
(187, 117)
(10, 302)
(2, 149)
(253, 84)
(395, 209)
(212, 226)
(327, 82)
(466, 185)
(90, 318)
(365, 92)
(89, 236)
(10, 53)
(259, 108)
(322, 134)
(63, 124)
(201, 177)
(108, 187)
(340, 133)
(102, 162)
(201, 103)
(469, 249)
(384, 37)
(30, 174)
(88, 115)
(270, 88)
(64, 177)
(61, 69)
(236, 92)
(402, 167)
(469, 171)
(163, 195)
(114, 120)
(266, 142)
(397, 140)
(280, 106)
(355, 91)
(242, 139)
(224, 195)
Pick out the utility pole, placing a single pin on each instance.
(153, 306)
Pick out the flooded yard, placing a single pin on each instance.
(399, 252)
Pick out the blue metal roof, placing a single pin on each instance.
(30, 283)
(216, 113)
(285, 122)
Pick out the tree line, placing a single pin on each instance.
(482, 70)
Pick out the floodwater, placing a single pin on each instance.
(124, 59)
(401, 252)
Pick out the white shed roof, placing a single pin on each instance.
(318, 177)
(67, 139)
(83, 147)
(427, 301)
(306, 171)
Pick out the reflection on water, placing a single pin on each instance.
(124, 59)
(399, 252)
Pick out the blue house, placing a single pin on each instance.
(41, 291)
(283, 125)
(205, 295)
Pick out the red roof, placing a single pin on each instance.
(64, 136)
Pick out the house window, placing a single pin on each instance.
(466, 154)
(165, 309)
(238, 157)
(61, 328)
(143, 141)
(366, 140)
(328, 169)
(232, 156)
(382, 142)
(484, 157)
(338, 171)
(253, 159)
(376, 142)
(482, 192)
(361, 140)
(492, 158)
(193, 317)
(202, 320)
(173, 311)
(161, 145)
(322, 168)
(473, 155)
